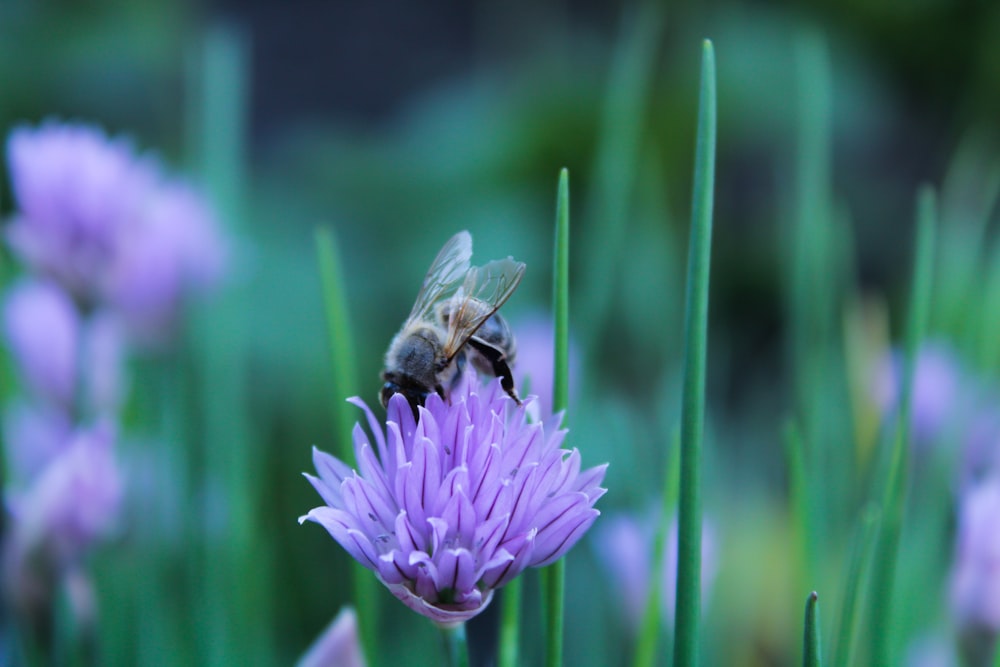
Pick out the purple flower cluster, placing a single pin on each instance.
(450, 507)
(624, 545)
(108, 225)
(111, 244)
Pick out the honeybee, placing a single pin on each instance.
(454, 321)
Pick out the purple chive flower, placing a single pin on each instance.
(176, 250)
(449, 508)
(975, 577)
(47, 337)
(932, 651)
(42, 329)
(76, 190)
(34, 434)
(73, 501)
(338, 646)
(624, 545)
(535, 363)
(110, 226)
(936, 388)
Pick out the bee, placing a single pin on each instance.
(454, 321)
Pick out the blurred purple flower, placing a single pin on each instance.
(47, 337)
(33, 434)
(42, 328)
(936, 388)
(535, 361)
(76, 190)
(975, 577)
(177, 250)
(449, 508)
(625, 544)
(338, 646)
(931, 651)
(109, 226)
(74, 500)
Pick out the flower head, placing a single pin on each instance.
(625, 546)
(73, 501)
(937, 384)
(448, 508)
(975, 580)
(76, 191)
(535, 361)
(53, 346)
(109, 226)
(338, 646)
(175, 251)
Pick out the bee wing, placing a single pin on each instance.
(484, 290)
(448, 269)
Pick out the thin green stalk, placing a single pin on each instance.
(510, 628)
(688, 605)
(798, 489)
(342, 355)
(554, 576)
(632, 76)
(812, 305)
(455, 645)
(857, 571)
(649, 633)
(339, 338)
(233, 605)
(894, 499)
(560, 297)
(810, 643)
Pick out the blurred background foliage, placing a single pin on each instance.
(400, 123)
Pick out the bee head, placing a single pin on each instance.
(414, 396)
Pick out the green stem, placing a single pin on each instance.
(554, 576)
(649, 633)
(455, 646)
(798, 489)
(812, 306)
(510, 624)
(850, 615)
(342, 355)
(894, 499)
(688, 605)
(339, 338)
(810, 643)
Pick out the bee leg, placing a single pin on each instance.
(498, 361)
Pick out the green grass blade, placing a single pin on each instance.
(554, 576)
(617, 155)
(342, 355)
(857, 571)
(811, 295)
(510, 628)
(811, 644)
(688, 617)
(894, 499)
(340, 339)
(798, 490)
(645, 653)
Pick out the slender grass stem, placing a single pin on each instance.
(811, 642)
(894, 498)
(510, 628)
(857, 571)
(645, 653)
(342, 355)
(554, 576)
(688, 617)
(340, 338)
